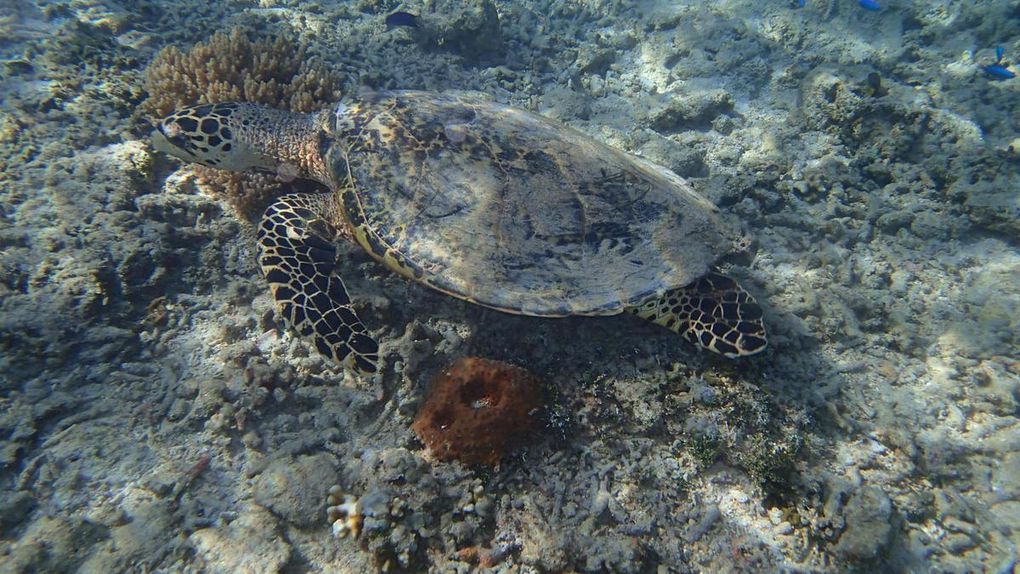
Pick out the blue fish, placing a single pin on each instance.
(870, 5)
(998, 72)
(401, 19)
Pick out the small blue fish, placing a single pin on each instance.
(801, 3)
(998, 72)
(870, 5)
(401, 19)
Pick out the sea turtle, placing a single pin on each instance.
(483, 201)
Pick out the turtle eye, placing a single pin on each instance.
(171, 129)
(177, 140)
(177, 133)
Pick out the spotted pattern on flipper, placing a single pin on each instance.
(713, 312)
(297, 253)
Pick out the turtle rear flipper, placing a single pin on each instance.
(297, 254)
(713, 312)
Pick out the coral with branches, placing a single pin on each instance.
(231, 67)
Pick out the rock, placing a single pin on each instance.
(685, 159)
(994, 205)
(293, 488)
(867, 515)
(137, 532)
(53, 545)
(593, 60)
(1006, 476)
(1008, 514)
(692, 111)
(566, 104)
(14, 509)
(249, 544)
(828, 99)
(469, 28)
(930, 226)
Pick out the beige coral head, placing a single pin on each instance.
(345, 514)
(238, 137)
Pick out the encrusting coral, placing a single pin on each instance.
(230, 66)
(477, 409)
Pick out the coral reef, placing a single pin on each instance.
(880, 436)
(476, 410)
(231, 66)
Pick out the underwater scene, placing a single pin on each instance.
(537, 286)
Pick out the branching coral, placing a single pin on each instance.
(477, 409)
(275, 72)
(344, 512)
(230, 66)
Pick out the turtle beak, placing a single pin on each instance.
(175, 144)
(160, 141)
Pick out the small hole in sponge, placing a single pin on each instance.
(477, 394)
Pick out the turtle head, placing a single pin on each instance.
(239, 136)
(213, 135)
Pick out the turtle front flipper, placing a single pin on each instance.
(714, 312)
(297, 253)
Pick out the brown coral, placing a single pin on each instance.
(477, 409)
(230, 66)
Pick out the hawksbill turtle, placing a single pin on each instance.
(486, 202)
